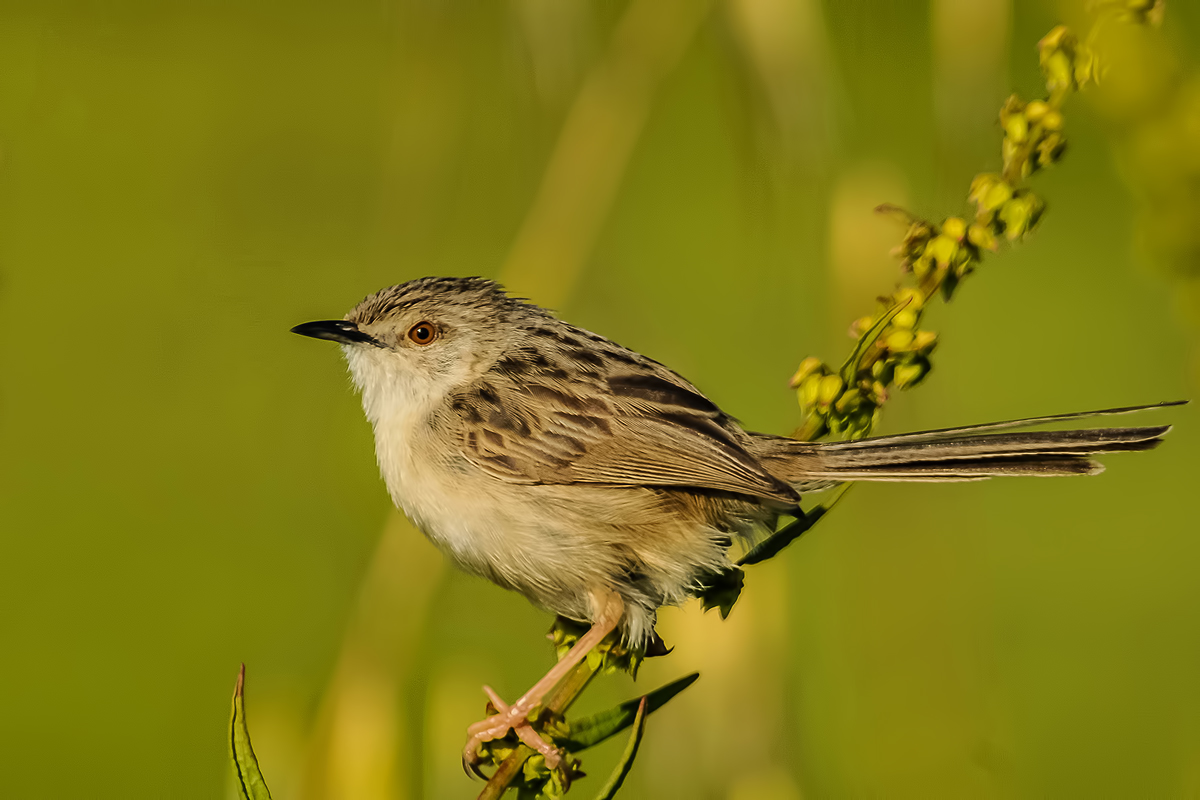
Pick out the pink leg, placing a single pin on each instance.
(609, 609)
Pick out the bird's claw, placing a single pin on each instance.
(507, 718)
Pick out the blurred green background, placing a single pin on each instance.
(186, 486)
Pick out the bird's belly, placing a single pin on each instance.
(505, 534)
(556, 544)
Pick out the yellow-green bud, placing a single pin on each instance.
(942, 249)
(915, 237)
(899, 340)
(955, 228)
(807, 391)
(922, 266)
(1009, 150)
(989, 191)
(849, 401)
(1055, 38)
(1016, 127)
(1050, 148)
(964, 263)
(829, 388)
(1021, 214)
(1013, 109)
(906, 319)
(815, 426)
(924, 342)
(913, 297)
(981, 236)
(910, 374)
(1066, 64)
(807, 367)
(1053, 121)
(981, 184)
(860, 326)
(1036, 110)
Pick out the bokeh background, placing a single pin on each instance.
(186, 486)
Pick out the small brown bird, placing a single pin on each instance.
(597, 482)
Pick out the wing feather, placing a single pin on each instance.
(647, 428)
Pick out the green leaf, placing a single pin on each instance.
(850, 369)
(250, 778)
(770, 547)
(626, 763)
(592, 730)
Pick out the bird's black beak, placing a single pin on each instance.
(335, 330)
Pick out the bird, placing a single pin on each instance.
(598, 482)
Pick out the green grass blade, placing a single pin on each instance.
(850, 368)
(626, 763)
(770, 547)
(595, 729)
(249, 776)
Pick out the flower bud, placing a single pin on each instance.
(807, 367)
(955, 228)
(828, 390)
(905, 320)
(807, 392)
(860, 326)
(1021, 214)
(924, 342)
(898, 341)
(1016, 127)
(910, 374)
(981, 236)
(1009, 153)
(922, 266)
(913, 245)
(910, 296)
(1035, 110)
(942, 249)
(850, 400)
(989, 191)
(1012, 118)
(1050, 148)
(1056, 54)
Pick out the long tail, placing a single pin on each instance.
(973, 453)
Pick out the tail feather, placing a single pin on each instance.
(960, 471)
(996, 446)
(1011, 424)
(971, 453)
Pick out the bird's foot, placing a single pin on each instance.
(507, 718)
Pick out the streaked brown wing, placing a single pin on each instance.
(629, 429)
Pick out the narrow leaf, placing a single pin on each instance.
(250, 778)
(598, 727)
(626, 763)
(770, 547)
(850, 368)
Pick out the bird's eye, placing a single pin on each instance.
(423, 333)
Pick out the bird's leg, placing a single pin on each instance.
(609, 608)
